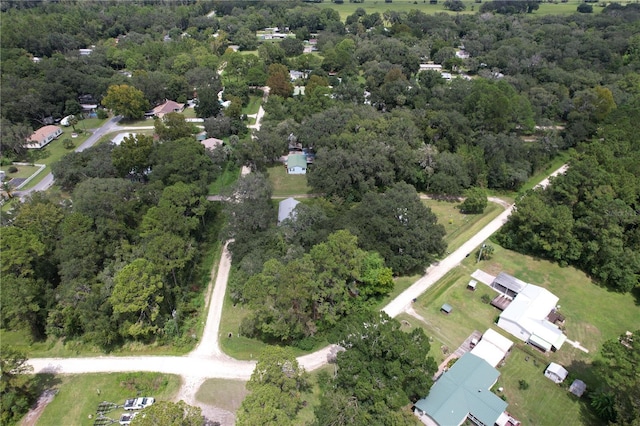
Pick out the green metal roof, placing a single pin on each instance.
(464, 390)
(297, 160)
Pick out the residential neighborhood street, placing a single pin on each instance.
(47, 181)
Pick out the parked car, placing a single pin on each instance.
(138, 403)
(126, 418)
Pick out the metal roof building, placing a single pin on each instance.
(463, 392)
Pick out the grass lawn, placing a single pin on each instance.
(543, 402)
(460, 227)
(136, 123)
(286, 185)
(23, 171)
(189, 113)
(253, 106)
(348, 8)
(222, 393)
(230, 174)
(90, 123)
(78, 396)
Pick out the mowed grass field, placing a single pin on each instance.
(79, 395)
(286, 185)
(593, 315)
(222, 393)
(546, 8)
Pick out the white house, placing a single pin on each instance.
(556, 373)
(526, 318)
(297, 164)
(43, 136)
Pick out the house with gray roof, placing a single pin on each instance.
(286, 209)
(464, 393)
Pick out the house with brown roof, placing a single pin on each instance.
(167, 107)
(43, 136)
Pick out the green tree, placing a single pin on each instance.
(618, 370)
(126, 100)
(276, 387)
(381, 378)
(400, 227)
(136, 298)
(475, 201)
(173, 126)
(131, 157)
(207, 104)
(167, 413)
(19, 248)
(17, 391)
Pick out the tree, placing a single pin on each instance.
(475, 201)
(207, 104)
(167, 413)
(14, 138)
(454, 5)
(17, 391)
(381, 378)
(126, 100)
(618, 369)
(292, 46)
(173, 126)
(131, 157)
(400, 227)
(276, 386)
(136, 298)
(278, 81)
(19, 248)
(181, 160)
(585, 8)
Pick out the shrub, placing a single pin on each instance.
(486, 298)
(12, 169)
(523, 385)
(68, 144)
(102, 114)
(585, 8)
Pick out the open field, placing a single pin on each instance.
(78, 396)
(222, 393)
(546, 8)
(460, 227)
(253, 106)
(586, 322)
(284, 184)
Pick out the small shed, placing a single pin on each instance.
(472, 285)
(578, 387)
(446, 308)
(556, 373)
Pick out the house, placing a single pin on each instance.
(43, 136)
(492, 348)
(431, 67)
(526, 316)
(556, 373)
(85, 52)
(286, 209)
(211, 143)
(297, 164)
(165, 108)
(463, 393)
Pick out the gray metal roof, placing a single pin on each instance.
(510, 282)
(285, 209)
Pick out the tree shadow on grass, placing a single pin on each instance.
(581, 370)
(45, 381)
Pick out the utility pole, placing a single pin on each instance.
(480, 252)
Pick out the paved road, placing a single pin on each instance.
(47, 181)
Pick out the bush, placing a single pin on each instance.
(585, 8)
(68, 144)
(102, 114)
(12, 169)
(523, 385)
(475, 201)
(486, 298)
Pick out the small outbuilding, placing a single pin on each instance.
(556, 373)
(578, 387)
(446, 308)
(472, 285)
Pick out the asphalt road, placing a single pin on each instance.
(47, 181)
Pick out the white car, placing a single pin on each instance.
(138, 403)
